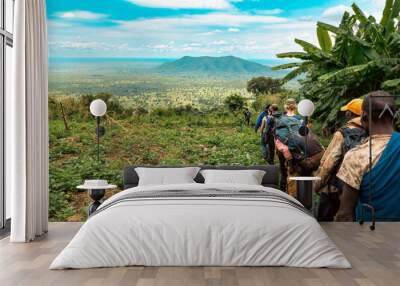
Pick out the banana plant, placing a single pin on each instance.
(364, 56)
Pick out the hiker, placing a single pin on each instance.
(267, 136)
(260, 117)
(263, 146)
(354, 172)
(247, 116)
(344, 139)
(294, 159)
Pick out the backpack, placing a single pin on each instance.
(352, 137)
(287, 131)
(267, 133)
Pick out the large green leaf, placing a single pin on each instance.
(287, 66)
(387, 11)
(298, 55)
(324, 39)
(296, 72)
(359, 14)
(395, 9)
(329, 27)
(390, 84)
(307, 47)
(390, 24)
(348, 71)
(346, 21)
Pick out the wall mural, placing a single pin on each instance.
(183, 81)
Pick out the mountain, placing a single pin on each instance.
(227, 65)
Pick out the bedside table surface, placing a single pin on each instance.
(86, 187)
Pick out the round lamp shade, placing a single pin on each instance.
(306, 107)
(98, 107)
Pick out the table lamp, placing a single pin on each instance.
(98, 108)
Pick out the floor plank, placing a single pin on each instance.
(375, 257)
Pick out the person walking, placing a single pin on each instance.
(267, 135)
(284, 155)
(382, 169)
(257, 128)
(296, 158)
(344, 139)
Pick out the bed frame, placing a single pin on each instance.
(270, 179)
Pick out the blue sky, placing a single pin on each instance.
(253, 29)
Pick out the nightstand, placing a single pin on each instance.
(305, 190)
(96, 190)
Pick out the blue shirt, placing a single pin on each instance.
(259, 120)
(385, 185)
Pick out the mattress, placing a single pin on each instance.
(201, 225)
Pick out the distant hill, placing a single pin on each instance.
(227, 65)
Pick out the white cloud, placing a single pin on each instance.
(81, 15)
(306, 18)
(210, 33)
(335, 13)
(201, 20)
(57, 25)
(219, 43)
(184, 4)
(88, 45)
(269, 12)
(233, 30)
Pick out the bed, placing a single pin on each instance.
(201, 224)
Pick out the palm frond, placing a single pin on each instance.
(348, 71)
(298, 55)
(295, 73)
(387, 11)
(329, 27)
(307, 47)
(390, 84)
(324, 39)
(395, 9)
(287, 66)
(359, 14)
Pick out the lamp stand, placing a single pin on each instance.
(306, 137)
(98, 137)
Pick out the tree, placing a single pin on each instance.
(264, 85)
(364, 57)
(235, 103)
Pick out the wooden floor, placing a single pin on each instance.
(375, 257)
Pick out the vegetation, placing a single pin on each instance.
(235, 103)
(264, 85)
(364, 57)
(164, 136)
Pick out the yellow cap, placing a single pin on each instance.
(354, 106)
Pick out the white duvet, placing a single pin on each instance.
(200, 231)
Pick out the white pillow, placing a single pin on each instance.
(248, 177)
(166, 176)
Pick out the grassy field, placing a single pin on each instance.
(185, 139)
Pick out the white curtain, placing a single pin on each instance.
(27, 124)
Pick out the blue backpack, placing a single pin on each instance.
(287, 131)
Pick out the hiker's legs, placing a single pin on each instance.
(329, 204)
(271, 153)
(264, 149)
(282, 166)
